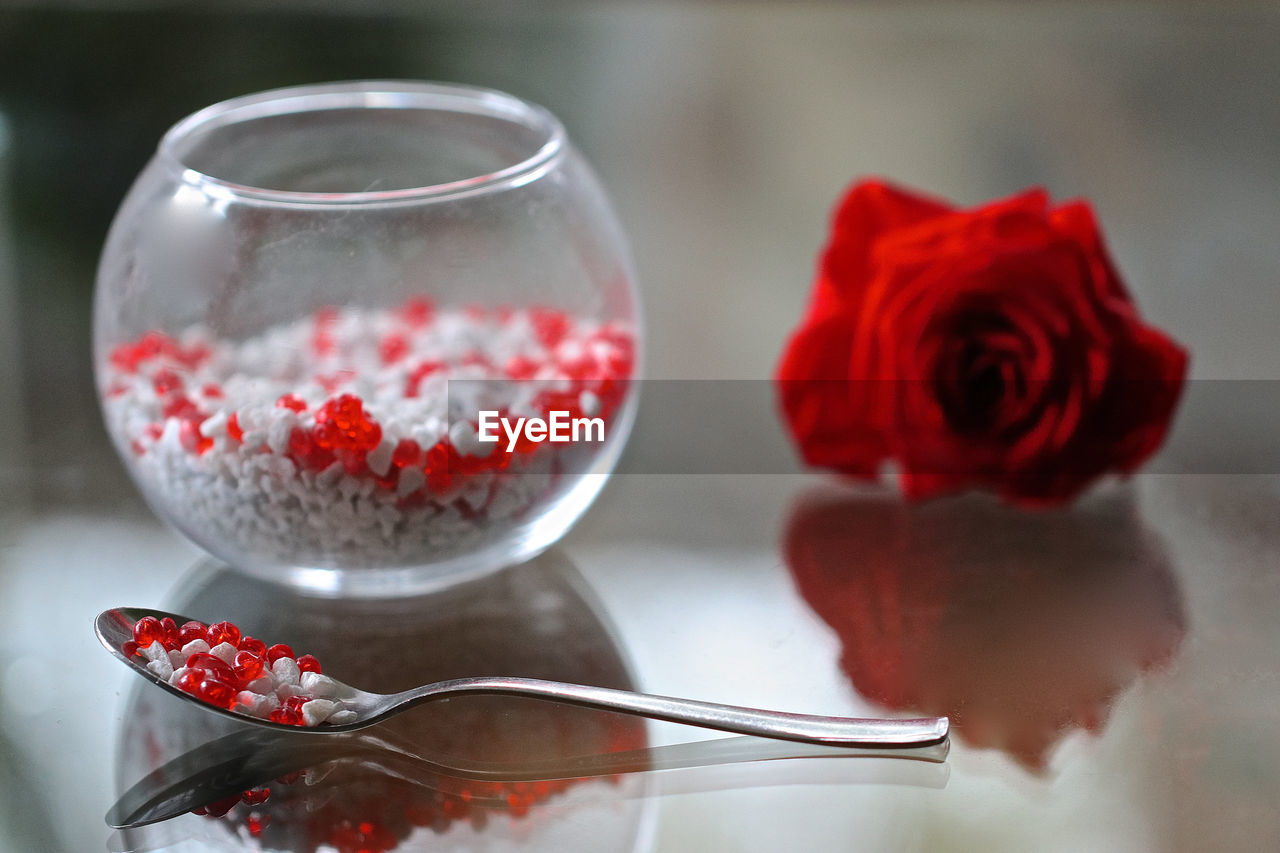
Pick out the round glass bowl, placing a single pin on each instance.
(321, 313)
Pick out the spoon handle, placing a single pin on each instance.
(780, 725)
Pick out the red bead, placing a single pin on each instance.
(308, 663)
(191, 439)
(216, 692)
(223, 632)
(256, 797)
(413, 383)
(234, 432)
(211, 390)
(192, 630)
(343, 424)
(407, 454)
(417, 311)
(221, 807)
(130, 648)
(286, 715)
(212, 666)
(279, 650)
(256, 824)
(549, 325)
(393, 348)
(165, 382)
(182, 407)
(292, 402)
(253, 646)
(147, 630)
(169, 633)
(519, 367)
(189, 681)
(247, 666)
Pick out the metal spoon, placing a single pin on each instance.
(114, 628)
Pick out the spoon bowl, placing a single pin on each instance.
(114, 628)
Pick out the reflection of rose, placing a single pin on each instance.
(1018, 627)
(994, 347)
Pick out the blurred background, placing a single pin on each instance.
(725, 131)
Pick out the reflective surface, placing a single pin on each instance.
(1112, 670)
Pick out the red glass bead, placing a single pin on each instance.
(165, 382)
(253, 646)
(247, 666)
(221, 807)
(192, 630)
(191, 438)
(519, 367)
(413, 383)
(170, 637)
(182, 407)
(234, 432)
(308, 663)
(211, 390)
(189, 681)
(256, 797)
(392, 348)
(130, 648)
(223, 632)
(292, 402)
(147, 630)
(343, 424)
(439, 476)
(549, 325)
(256, 824)
(212, 666)
(417, 311)
(216, 692)
(295, 703)
(286, 715)
(279, 650)
(407, 454)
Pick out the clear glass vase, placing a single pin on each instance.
(317, 309)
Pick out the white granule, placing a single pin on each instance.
(224, 434)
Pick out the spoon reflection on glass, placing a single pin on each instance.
(114, 629)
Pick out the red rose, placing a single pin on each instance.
(995, 347)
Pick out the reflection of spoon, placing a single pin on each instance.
(242, 761)
(114, 628)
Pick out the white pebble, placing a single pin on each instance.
(319, 685)
(341, 718)
(161, 667)
(379, 459)
(264, 683)
(214, 426)
(286, 671)
(224, 652)
(285, 691)
(195, 647)
(317, 711)
(155, 651)
(177, 658)
(411, 479)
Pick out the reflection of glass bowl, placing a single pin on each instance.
(288, 291)
(534, 620)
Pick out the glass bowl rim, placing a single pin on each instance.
(368, 94)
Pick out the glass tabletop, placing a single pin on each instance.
(1109, 670)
